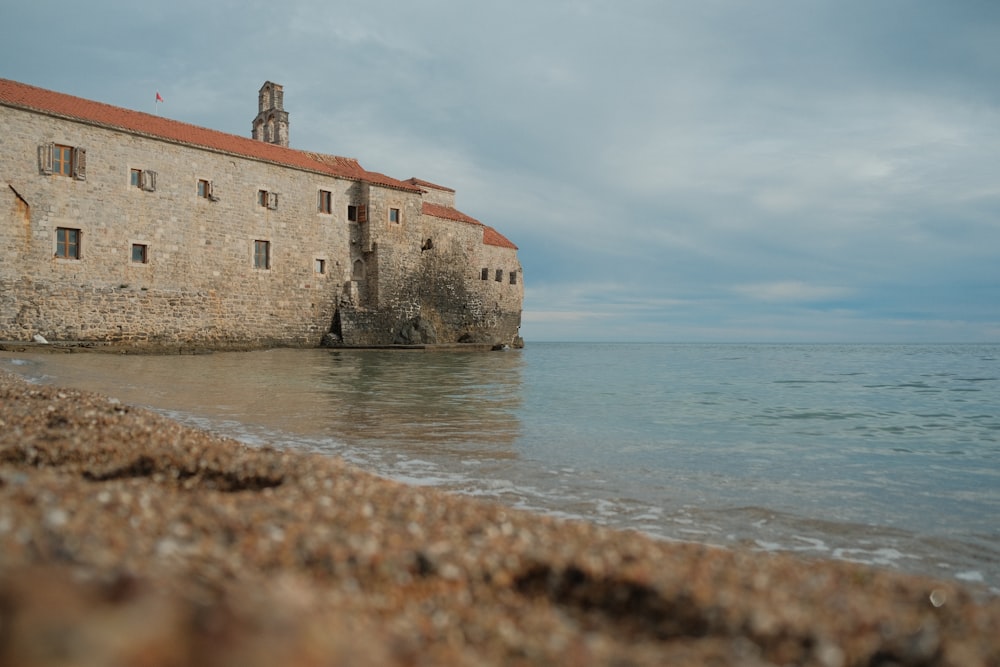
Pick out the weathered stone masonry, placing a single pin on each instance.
(164, 233)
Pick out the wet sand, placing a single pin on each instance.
(127, 539)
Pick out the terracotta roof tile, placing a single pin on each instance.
(23, 96)
(490, 235)
(493, 237)
(448, 213)
(427, 184)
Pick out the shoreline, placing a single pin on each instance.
(129, 534)
(96, 347)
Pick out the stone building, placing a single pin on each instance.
(124, 227)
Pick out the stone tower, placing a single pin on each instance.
(271, 123)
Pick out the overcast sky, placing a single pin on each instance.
(705, 170)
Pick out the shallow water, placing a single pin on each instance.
(887, 454)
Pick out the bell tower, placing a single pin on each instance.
(271, 123)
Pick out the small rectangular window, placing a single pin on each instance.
(499, 277)
(262, 198)
(485, 274)
(262, 254)
(325, 201)
(143, 179)
(394, 215)
(205, 189)
(67, 243)
(321, 266)
(140, 253)
(513, 277)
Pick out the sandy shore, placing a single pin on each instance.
(127, 539)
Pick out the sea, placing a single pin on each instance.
(879, 454)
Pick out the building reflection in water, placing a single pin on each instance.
(419, 402)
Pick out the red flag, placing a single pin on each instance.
(158, 98)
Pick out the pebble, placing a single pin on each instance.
(132, 537)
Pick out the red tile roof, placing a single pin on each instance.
(23, 96)
(448, 213)
(490, 235)
(427, 184)
(493, 237)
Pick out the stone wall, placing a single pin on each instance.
(440, 283)
(198, 281)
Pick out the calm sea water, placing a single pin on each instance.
(885, 454)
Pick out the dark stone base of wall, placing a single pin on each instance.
(129, 318)
(360, 327)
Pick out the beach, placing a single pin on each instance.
(126, 538)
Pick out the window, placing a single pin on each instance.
(262, 254)
(320, 266)
(205, 190)
(513, 277)
(357, 213)
(142, 179)
(485, 274)
(499, 277)
(140, 253)
(394, 215)
(67, 243)
(325, 201)
(63, 161)
(267, 199)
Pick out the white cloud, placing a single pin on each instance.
(559, 316)
(791, 291)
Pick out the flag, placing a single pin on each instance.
(158, 97)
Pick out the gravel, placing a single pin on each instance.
(127, 539)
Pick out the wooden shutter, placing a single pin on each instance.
(362, 213)
(148, 180)
(211, 191)
(80, 164)
(45, 158)
(272, 200)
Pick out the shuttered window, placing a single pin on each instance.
(63, 160)
(357, 213)
(143, 179)
(267, 199)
